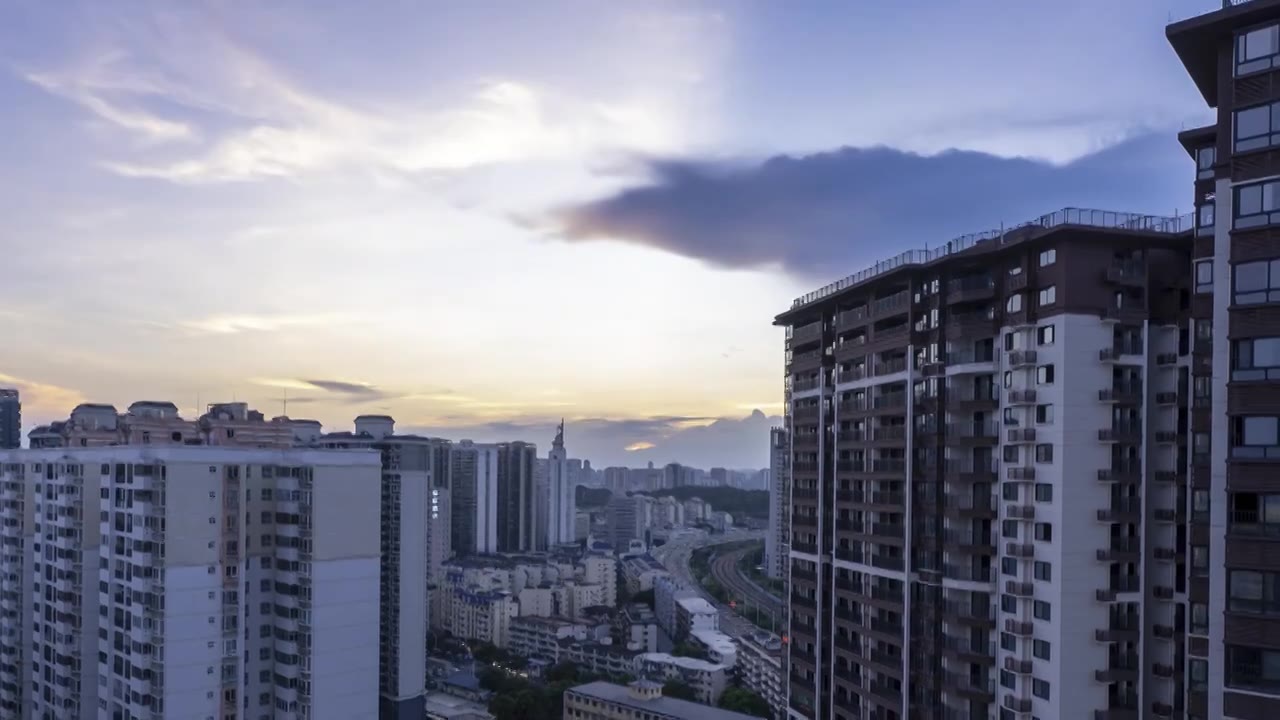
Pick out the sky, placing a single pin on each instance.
(482, 216)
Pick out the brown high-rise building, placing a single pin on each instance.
(1233, 605)
(988, 458)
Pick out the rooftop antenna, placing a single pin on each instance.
(284, 403)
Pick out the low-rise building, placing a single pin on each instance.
(640, 571)
(539, 637)
(720, 648)
(641, 700)
(695, 613)
(483, 615)
(599, 658)
(639, 628)
(759, 668)
(443, 706)
(708, 679)
(667, 591)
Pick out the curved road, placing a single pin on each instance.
(675, 557)
(725, 571)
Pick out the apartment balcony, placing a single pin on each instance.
(890, 401)
(805, 413)
(1165, 515)
(850, 319)
(1167, 359)
(974, 324)
(1017, 665)
(883, 626)
(1166, 437)
(1127, 584)
(1168, 398)
(888, 499)
(1162, 592)
(1121, 550)
(1161, 709)
(1122, 393)
(1164, 632)
(963, 649)
(1022, 397)
(1020, 512)
(806, 333)
(1022, 358)
(1020, 588)
(966, 471)
(1128, 314)
(889, 434)
(1120, 668)
(1021, 474)
(888, 466)
(1126, 273)
(1020, 550)
(1121, 471)
(1122, 510)
(1121, 706)
(1162, 670)
(809, 360)
(974, 432)
(967, 572)
(1130, 630)
(853, 374)
(1129, 433)
(1021, 435)
(1118, 351)
(888, 562)
(970, 289)
(890, 367)
(1016, 704)
(1021, 628)
(967, 505)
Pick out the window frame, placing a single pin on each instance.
(1244, 366)
(1041, 335)
(1241, 449)
(1245, 65)
(1264, 215)
(1258, 140)
(1048, 257)
(1269, 293)
(1198, 268)
(1014, 303)
(1048, 296)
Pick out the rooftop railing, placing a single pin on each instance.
(1165, 224)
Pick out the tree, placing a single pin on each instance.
(746, 702)
(561, 672)
(526, 704)
(679, 690)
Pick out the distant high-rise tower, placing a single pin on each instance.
(517, 511)
(563, 503)
(474, 498)
(775, 539)
(10, 419)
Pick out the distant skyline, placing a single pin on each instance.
(480, 217)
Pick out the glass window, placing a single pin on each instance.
(1040, 648)
(1044, 335)
(1041, 610)
(1008, 641)
(1205, 216)
(1257, 431)
(1254, 203)
(1009, 491)
(1206, 157)
(1010, 454)
(1040, 688)
(1043, 571)
(1044, 492)
(1199, 618)
(1204, 276)
(1200, 560)
(1048, 257)
(1253, 128)
(1009, 566)
(1199, 672)
(1009, 529)
(1257, 282)
(1044, 375)
(1254, 668)
(1008, 603)
(1014, 303)
(1049, 295)
(1256, 359)
(1255, 50)
(1007, 680)
(1044, 453)
(1044, 532)
(1044, 414)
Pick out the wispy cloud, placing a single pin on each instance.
(641, 445)
(41, 400)
(230, 324)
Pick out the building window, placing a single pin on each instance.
(1009, 491)
(1198, 670)
(1255, 359)
(1200, 506)
(1044, 453)
(1202, 389)
(1014, 303)
(1044, 335)
(1007, 680)
(1041, 610)
(1044, 375)
(1257, 282)
(1044, 532)
(1049, 295)
(1204, 276)
(1253, 591)
(1010, 452)
(1256, 50)
(1255, 127)
(1256, 436)
(1008, 642)
(1199, 618)
(1009, 529)
(1048, 257)
(1044, 492)
(1253, 668)
(1040, 688)
(1044, 414)
(1009, 603)
(1206, 157)
(1040, 648)
(1043, 571)
(1255, 203)
(1200, 560)
(1008, 379)
(1205, 219)
(1009, 566)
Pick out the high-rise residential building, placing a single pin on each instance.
(988, 465)
(517, 510)
(474, 498)
(1231, 615)
(615, 479)
(778, 532)
(10, 419)
(562, 502)
(128, 603)
(409, 500)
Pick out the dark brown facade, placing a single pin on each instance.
(1233, 56)
(914, 445)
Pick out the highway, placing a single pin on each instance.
(675, 557)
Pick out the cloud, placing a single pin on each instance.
(341, 387)
(700, 441)
(42, 402)
(231, 324)
(88, 90)
(821, 214)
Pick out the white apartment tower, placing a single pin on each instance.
(563, 502)
(474, 498)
